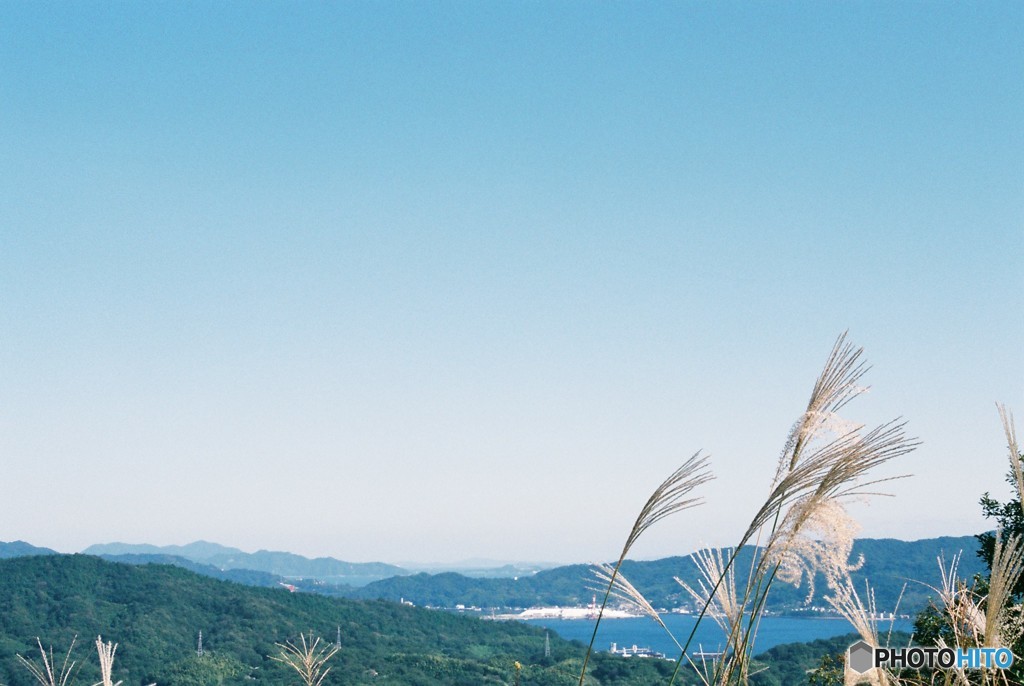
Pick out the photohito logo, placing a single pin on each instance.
(861, 657)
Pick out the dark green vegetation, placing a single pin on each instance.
(154, 612)
(248, 577)
(888, 565)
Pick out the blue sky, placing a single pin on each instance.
(445, 280)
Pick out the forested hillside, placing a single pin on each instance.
(155, 612)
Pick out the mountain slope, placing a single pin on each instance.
(155, 613)
(21, 549)
(240, 576)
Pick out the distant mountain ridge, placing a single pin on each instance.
(196, 551)
(22, 549)
(288, 565)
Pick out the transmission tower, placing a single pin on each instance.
(199, 647)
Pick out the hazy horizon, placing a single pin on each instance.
(393, 281)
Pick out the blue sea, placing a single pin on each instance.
(645, 633)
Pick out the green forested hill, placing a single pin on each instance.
(248, 577)
(155, 613)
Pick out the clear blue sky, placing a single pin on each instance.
(444, 280)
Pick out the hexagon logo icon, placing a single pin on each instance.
(860, 657)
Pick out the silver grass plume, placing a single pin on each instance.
(106, 655)
(669, 497)
(835, 386)
(1002, 624)
(624, 591)
(825, 456)
(833, 471)
(966, 617)
(825, 460)
(308, 660)
(45, 674)
(816, 535)
(1011, 444)
(847, 602)
(824, 463)
(991, 621)
(982, 621)
(719, 598)
(808, 500)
